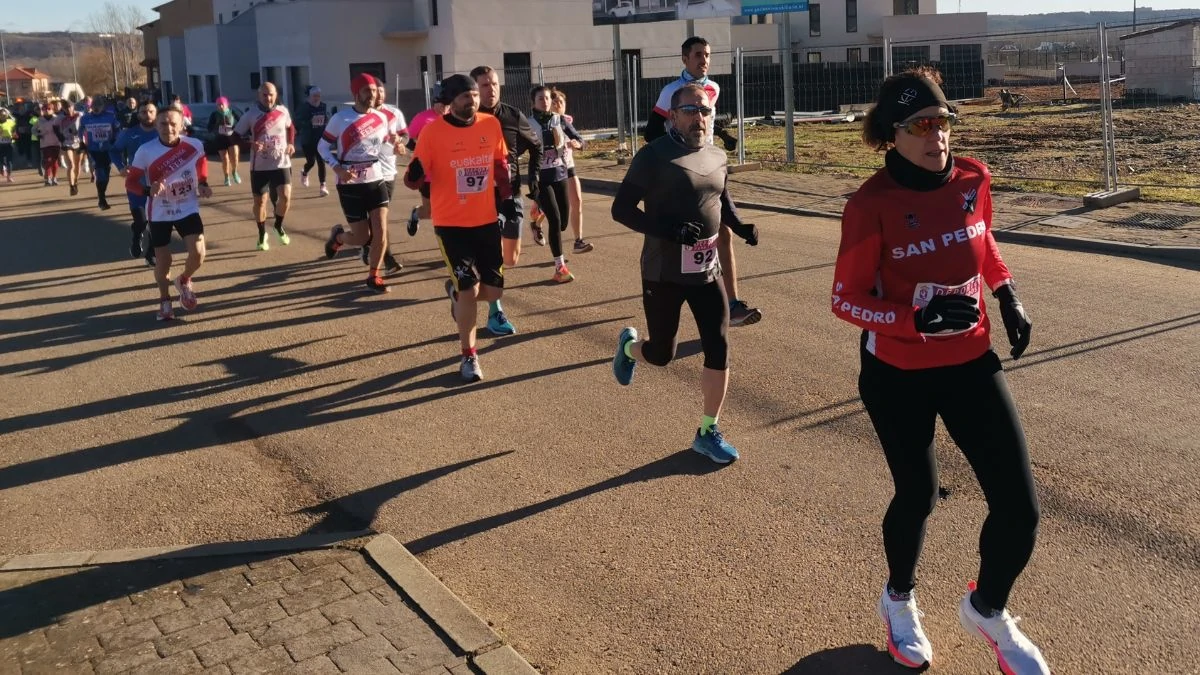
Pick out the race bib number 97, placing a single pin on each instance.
(699, 258)
(472, 179)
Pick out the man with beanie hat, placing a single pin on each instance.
(351, 146)
(465, 159)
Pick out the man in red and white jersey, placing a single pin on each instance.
(173, 173)
(351, 145)
(272, 137)
(397, 137)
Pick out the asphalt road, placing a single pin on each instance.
(565, 509)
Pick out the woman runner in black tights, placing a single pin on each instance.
(916, 256)
(556, 133)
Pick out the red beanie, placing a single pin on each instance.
(359, 81)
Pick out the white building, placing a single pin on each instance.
(1164, 62)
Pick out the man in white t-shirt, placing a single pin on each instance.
(397, 133)
(172, 172)
(268, 126)
(696, 55)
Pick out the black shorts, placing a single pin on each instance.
(261, 181)
(360, 199)
(424, 190)
(472, 255)
(571, 172)
(160, 231)
(390, 187)
(222, 143)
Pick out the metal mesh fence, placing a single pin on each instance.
(1030, 103)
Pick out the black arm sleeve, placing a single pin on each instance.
(729, 214)
(625, 206)
(656, 127)
(570, 131)
(527, 141)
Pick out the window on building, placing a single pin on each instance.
(854, 55)
(814, 20)
(220, 17)
(433, 12)
(906, 7)
(423, 66)
(875, 54)
(197, 89)
(375, 69)
(235, 13)
(910, 55)
(437, 67)
(518, 68)
(214, 86)
(814, 57)
(961, 53)
(851, 16)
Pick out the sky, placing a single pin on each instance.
(56, 20)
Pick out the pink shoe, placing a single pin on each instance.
(165, 311)
(187, 295)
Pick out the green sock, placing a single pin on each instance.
(493, 307)
(629, 348)
(706, 424)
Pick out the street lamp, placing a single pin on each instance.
(4, 59)
(112, 50)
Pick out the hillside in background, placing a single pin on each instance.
(1011, 23)
(35, 49)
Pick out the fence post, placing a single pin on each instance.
(887, 57)
(740, 74)
(396, 89)
(425, 85)
(541, 75)
(1104, 129)
(619, 81)
(789, 97)
(635, 72)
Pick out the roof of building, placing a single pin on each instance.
(1159, 29)
(19, 73)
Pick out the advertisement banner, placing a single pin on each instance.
(608, 12)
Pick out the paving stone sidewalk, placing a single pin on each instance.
(1035, 213)
(331, 610)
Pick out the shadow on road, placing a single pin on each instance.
(93, 240)
(849, 659)
(682, 463)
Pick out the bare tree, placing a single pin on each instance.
(122, 21)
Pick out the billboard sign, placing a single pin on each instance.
(608, 12)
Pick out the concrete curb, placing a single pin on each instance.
(39, 561)
(1176, 254)
(484, 647)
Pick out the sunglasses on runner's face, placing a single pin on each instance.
(694, 109)
(921, 126)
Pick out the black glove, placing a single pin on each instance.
(508, 209)
(947, 313)
(1016, 321)
(728, 139)
(416, 172)
(535, 187)
(747, 231)
(686, 233)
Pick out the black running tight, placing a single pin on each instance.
(974, 404)
(311, 156)
(553, 200)
(663, 302)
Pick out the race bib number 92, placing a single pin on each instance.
(699, 258)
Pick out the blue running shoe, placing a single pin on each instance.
(713, 446)
(623, 365)
(499, 325)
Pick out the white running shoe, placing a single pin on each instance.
(303, 179)
(324, 190)
(165, 311)
(1015, 654)
(906, 640)
(187, 294)
(470, 370)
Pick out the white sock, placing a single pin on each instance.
(558, 261)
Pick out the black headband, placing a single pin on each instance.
(905, 95)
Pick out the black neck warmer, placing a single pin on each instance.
(913, 177)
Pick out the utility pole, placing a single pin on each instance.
(74, 69)
(112, 50)
(4, 58)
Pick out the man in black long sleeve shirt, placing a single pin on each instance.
(696, 53)
(682, 180)
(521, 140)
